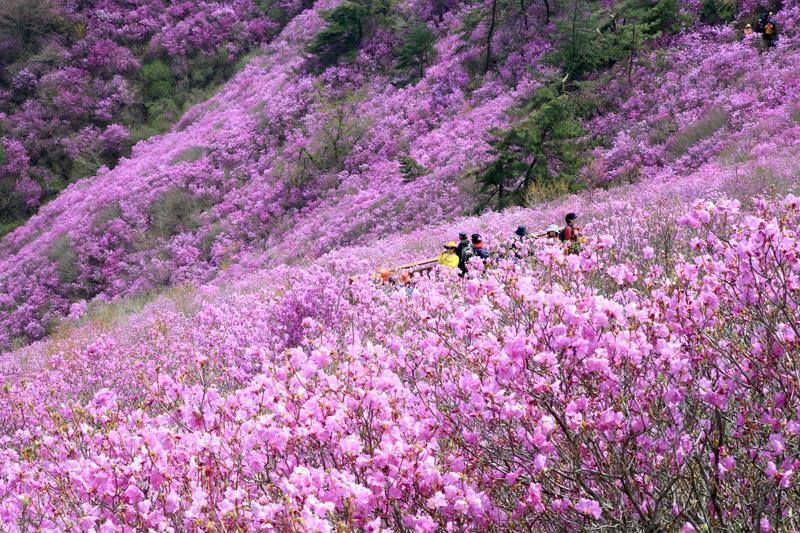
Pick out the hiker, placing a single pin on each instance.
(748, 30)
(762, 21)
(770, 32)
(385, 276)
(552, 231)
(406, 283)
(448, 257)
(463, 244)
(518, 241)
(478, 249)
(569, 233)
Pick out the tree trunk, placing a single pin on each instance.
(524, 10)
(633, 53)
(574, 51)
(500, 193)
(489, 38)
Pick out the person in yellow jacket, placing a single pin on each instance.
(449, 257)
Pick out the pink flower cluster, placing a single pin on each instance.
(554, 392)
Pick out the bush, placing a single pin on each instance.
(173, 212)
(700, 130)
(193, 153)
(106, 215)
(85, 164)
(8, 227)
(63, 254)
(159, 80)
(662, 130)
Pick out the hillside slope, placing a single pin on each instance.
(648, 382)
(247, 167)
(660, 357)
(295, 162)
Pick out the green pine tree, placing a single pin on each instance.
(348, 24)
(543, 149)
(417, 49)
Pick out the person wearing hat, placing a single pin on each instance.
(770, 32)
(463, 244)
(518, 241)
(478, 248)
(552, 231)
(449, 258)
(748, 30)
(570, 232)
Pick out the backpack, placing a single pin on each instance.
(467, 253)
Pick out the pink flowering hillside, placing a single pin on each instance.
(645, 383)
(437, 111)
(82, 81)
(194, 340)
(286, 157)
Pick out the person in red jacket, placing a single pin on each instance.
(569, 233)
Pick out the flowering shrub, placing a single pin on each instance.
(558, 391)
(277, 145)
(78, 77)
(298, 163)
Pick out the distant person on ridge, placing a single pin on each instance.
(748, 30)
(449, 258)
(463, 244)
(770, 32)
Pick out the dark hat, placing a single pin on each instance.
(462, 236)
(570, 217)
(476, 237)
(521, 231)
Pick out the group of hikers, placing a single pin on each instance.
(767, 27)
(457, 254)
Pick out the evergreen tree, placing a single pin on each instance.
(348, 24)
(543, 148)
(718, 11)
(590, 41)
(417, 49)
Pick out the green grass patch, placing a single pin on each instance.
(189, 155)
(700, 130)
